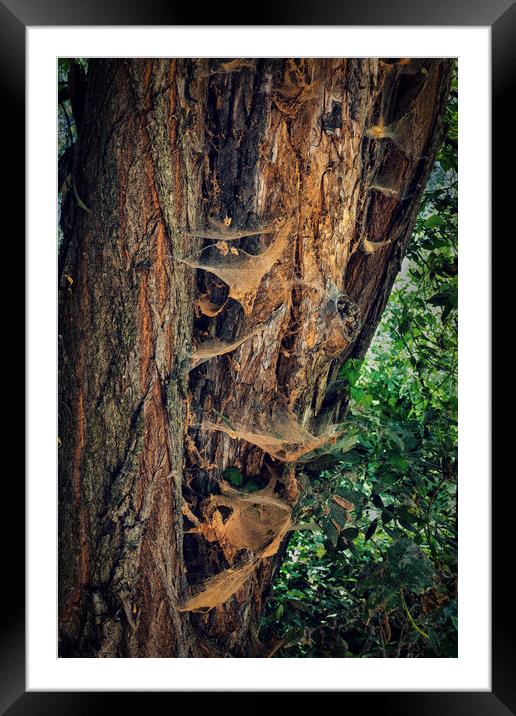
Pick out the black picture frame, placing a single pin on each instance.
(15, 16)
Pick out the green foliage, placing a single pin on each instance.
(234, 476)
(405, 566)
(66, 126)
(67, 130)
(384, 584)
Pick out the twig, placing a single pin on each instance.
(410, 617)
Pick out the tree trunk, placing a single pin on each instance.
(304, 176)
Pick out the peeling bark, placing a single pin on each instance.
(175, 156)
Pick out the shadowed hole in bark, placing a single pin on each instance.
(241, 271)
(225, 513)
(331, 121)
(207, 307)
(236, 521)
(402, 65)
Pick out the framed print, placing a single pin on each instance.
(258, 394)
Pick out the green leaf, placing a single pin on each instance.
(406, 515)
(360, 396)
(371, 530)
(338, 514)
(388, 478)
(377, 501)
(233, 475)
(352, 457)
(79, 200)
(387, 517)
(350, 533)
(311, 525)
(330, 531)
(365, 443)
(251, 486)
(448, 298)
(399, 462)
(350, 371)
(433, 221)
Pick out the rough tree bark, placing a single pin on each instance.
(324, 161)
